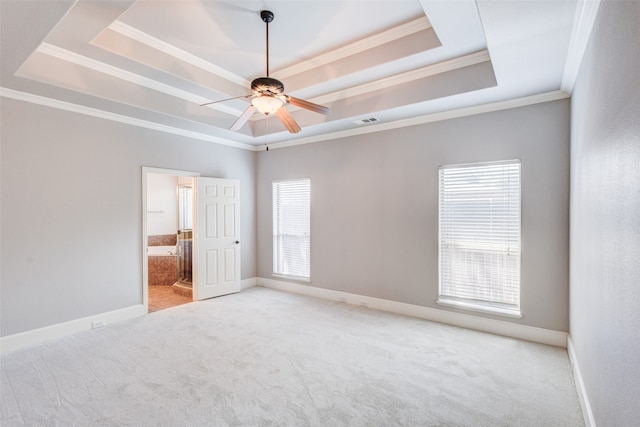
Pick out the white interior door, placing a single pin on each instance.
(216, 238)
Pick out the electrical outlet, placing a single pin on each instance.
(342, 299)
(97, 324)
(364, 304)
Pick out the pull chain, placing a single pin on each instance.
(266, 132)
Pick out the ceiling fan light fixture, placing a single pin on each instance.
(267, 104)
(268, 95)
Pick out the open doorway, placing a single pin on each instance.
(211, 247)
(168, 225)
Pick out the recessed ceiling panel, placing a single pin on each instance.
(231, 34)
(157, 61)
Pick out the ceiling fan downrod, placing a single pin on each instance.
(267, 16)
(268, 95)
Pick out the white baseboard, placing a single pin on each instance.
(498, 327)
(587, 413)
(529, 333)
(37, 336)
(248, 283)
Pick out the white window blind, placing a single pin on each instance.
(480, 236)
(292, 228)
(185, 207)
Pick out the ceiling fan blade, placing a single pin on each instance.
(243, 118)
(223, 100)
(309, 105)
(287, 120)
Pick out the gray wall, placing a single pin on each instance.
(374, 221)
(72, 210)
(605, 216)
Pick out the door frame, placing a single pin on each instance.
(145, 259)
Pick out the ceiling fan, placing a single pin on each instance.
(268, 96)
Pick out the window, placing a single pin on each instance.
(185, 207)
(292, 228)
(480, 237)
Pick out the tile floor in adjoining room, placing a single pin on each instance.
(161, 297)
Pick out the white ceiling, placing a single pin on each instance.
(152, 63)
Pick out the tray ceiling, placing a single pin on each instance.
(152, 63)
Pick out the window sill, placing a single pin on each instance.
(480, 309)
(296, 278)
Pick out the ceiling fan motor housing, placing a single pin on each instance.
(267, 86)
(266, 15)
(269, 97)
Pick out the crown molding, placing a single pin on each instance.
(94, 112)
(428, 118)
(171, 50)
(409, 76)
(384, 37)
(110, 70)
(586, 12)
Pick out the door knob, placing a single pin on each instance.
(237, 241)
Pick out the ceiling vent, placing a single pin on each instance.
(366, 121)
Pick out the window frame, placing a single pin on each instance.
(480, 305)
(276, 254)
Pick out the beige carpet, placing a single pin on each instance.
(268, 358)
